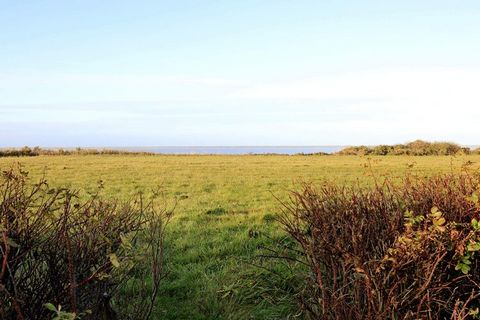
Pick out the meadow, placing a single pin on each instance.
(225, 208)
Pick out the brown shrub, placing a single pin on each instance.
(57, 250)
(394, 251)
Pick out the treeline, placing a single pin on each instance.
(37, 151)
(415, 148)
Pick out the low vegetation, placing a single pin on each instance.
(391, 251)
(37, 151)
(225, 217)
(415, 148)
(69, 258)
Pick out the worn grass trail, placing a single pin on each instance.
(224, 207)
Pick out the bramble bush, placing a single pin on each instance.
(66, 258)
(405, 250)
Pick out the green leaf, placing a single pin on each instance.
(408, 214)
(465, 268)
(465, 259)
(50, 307)
(114, 260)
(473, 246)
(475, 224)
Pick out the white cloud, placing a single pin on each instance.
(370, 106)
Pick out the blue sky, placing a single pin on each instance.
(145, 73)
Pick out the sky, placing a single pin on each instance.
(216, 73)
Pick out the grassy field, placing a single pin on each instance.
(222, 204)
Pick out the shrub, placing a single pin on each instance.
(355, 151)
(415, 148)
(98, 259)
(394, 251)
(382, 150)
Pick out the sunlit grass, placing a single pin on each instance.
(219, 201)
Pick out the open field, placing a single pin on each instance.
(222, 203)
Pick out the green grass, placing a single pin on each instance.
(225, 207)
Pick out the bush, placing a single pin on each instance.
(382, 150)
(98, 259)
(394, 251)
(415, 148)
(355, 151)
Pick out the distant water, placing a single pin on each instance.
(234, 150)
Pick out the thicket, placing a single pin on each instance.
(65, 258)
(415, 148)
(393, 251)
(37, 151)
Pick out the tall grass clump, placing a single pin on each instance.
(71, 258)
(408, 250)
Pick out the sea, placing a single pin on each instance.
(239, 150)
